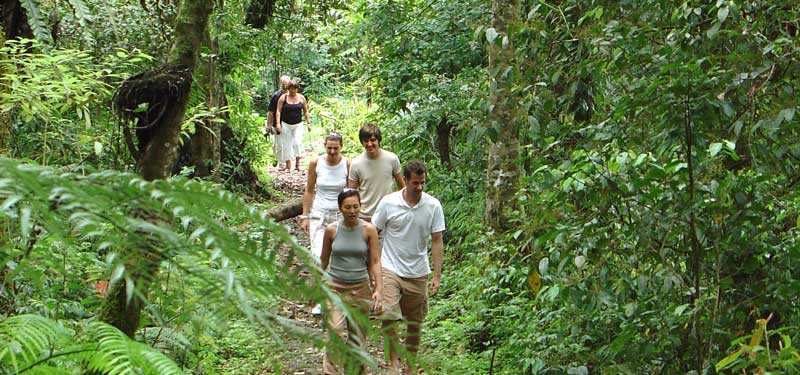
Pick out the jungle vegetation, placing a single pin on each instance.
(619, 179)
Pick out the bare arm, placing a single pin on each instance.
(270, 117)
(327, 242)
(305, 110)
(278, 111)
(371, 234)
(398, 179)
(353, 184)
(437, 253)
(308, 194)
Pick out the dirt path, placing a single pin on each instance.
(299, 357)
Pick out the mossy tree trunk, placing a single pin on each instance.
(5, 117)
(205, 142)
(503, 170)
(164, 92)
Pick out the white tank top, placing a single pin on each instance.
(331, 180)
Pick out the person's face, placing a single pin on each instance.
(285, 85)
(415, 184)
(333, 148)
(293, 91)
(372, 146)
(350, 207)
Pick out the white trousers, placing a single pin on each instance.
(316, 227)
(291, 140)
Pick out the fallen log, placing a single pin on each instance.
(286, 210)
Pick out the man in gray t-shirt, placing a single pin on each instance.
(372, 172)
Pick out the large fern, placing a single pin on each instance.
(36, 20)
(24, 339)
(118, 355)
(227, 247)
(31, 344)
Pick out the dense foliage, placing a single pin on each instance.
(655, 228)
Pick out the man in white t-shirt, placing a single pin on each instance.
(408, 219)
(374, 171)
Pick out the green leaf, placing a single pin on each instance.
(714, 149)
(787, 114)
(728, 360)
(98, 148)
(26, 223)
(81, 11)
(712, 32)
(491, 35)
(36, 20)
(722, 13)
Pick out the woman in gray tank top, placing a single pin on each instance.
(347, 247)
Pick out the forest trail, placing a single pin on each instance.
(299, 357)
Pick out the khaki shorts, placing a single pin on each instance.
(404, 298)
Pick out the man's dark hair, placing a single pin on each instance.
(416, 167)
(368, 131)
(347, 193)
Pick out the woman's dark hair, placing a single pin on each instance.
(334, 136)
(368, 131)
(347, 193)
(416, 167)
(293, 85)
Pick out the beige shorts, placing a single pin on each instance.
(404, 298)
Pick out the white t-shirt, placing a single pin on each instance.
(406, 232)
(375, 178)
(330, 182)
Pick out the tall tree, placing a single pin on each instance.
(163, 94)
(205, 142)
(503, 170)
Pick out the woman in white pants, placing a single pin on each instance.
(289, 119)
(327, 177)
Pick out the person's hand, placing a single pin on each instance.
(434, 286)
(308, 126)
(304, 224)
(277, 129)
(377, 296)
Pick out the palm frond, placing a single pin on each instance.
(36, 20)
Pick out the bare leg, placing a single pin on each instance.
(297, 163)
(412, 345)
(390, 344)
(289, 165)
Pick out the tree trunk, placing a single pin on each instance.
(5, 117)
(15, 22)
(205, 143)
(443, 140)
(165, 93)
(287, 210)
(503, 169)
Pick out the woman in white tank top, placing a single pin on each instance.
(327, 177)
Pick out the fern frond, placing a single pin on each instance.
(231, 249)
(24, 339)
(36, 20)
(119, 355)
(81, 11)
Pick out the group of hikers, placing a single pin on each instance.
(369, 223)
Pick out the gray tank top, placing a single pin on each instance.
(349, 253)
